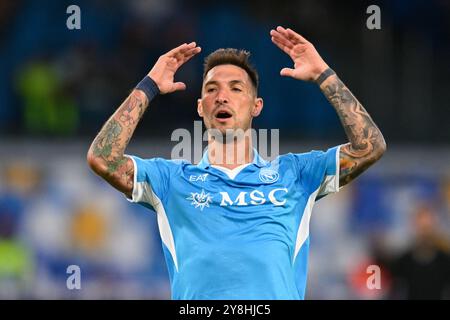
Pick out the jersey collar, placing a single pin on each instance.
(257, 160)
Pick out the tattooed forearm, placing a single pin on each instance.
(106, 154)
(106, 140)
(366, 144)
(127, 116)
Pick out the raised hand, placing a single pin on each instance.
(163, 72)
(308, 64)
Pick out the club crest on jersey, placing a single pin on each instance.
(200, 200)
(267, 175)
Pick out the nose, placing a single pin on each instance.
(221, 97)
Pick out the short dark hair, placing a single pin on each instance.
(239, 58)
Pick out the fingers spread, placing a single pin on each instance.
(176, 50)
(281, 39)
(294, 36)
(190, 53)
(283, 32)
(291, 35)
(280, 45)
(188, 47)
(180, 50)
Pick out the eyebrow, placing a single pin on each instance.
(214, 82)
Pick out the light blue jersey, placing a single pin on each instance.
(236, 234)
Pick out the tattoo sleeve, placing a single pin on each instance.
(366, 143)
(106, 154)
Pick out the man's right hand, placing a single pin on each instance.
(106, 154)
(163, 71)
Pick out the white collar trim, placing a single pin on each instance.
(232, 173)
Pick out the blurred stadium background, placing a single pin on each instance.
(58, 86)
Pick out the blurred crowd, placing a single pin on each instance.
(58, 214)
(398, 223)
(57, 82)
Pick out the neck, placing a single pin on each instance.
(233, 154)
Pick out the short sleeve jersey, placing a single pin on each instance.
(236, 234)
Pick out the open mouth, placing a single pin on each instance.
(223, 114)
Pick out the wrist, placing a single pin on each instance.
(324, 75)
(318, 70)
(149, 87)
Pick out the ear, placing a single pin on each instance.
(257, 108)
(200, 108)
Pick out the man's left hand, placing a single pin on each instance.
(308, 64)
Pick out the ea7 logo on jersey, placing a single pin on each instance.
(201, 177)
(256, 197)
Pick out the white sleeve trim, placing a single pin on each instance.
(331, 182)
(303, 228)
(164, 228)
(143, 192)
(134, 192)
(338, 169)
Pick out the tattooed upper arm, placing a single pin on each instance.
(352, 164)
(119, 174)
(123, 177)
(366, 144)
